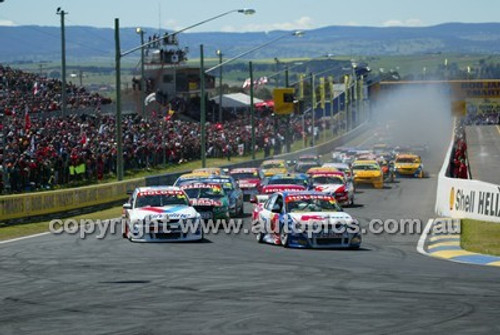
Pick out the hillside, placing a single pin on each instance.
(36, 43)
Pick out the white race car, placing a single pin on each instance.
(161, 214)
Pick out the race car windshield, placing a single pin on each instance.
(160, 200)
(365, 168)
(406, 160)
(302, 168)
(273, 166)
(287, 181)
(245, 175)
(308, 159)
(210, 193)
(327, 180)
(312, 205)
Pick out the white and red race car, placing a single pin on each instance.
(249, 180)
(305, 220)
(336, 184)
(268, 190)
(160, 214)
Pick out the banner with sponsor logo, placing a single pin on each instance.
(482, 106)
(472, 199)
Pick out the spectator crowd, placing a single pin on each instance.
(43, 152)
(459, 167)
(479, 119)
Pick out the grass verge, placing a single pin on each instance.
(18, 230)
(480, 236)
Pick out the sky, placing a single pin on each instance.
(270, 14)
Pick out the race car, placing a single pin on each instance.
(387, 169)
(248, 179)
(233, 191)
(302, 167)
(210, 171)
(409, 165)
(268, 190)
(309, 159)
(336, 184)
(157, 214)
(300, 179)
(209, 199)
(190, 177)
(274, 166)
(340, 167)
(368, 172)
(305, 220)
(320, 169)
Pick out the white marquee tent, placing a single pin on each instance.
(235, 100)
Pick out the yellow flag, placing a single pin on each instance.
(330, 83)
(322, 91)
(346, 82)
(313, 91)
(301, 86)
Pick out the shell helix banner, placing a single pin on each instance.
(482, 106)
(468, 199)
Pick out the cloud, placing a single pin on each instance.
(172, 24)
(304, 22)
(352, 24)
(404, 23)
(7, 23)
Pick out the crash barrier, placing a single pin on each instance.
(50, 202)
(466, 198)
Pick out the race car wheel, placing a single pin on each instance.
(260, 237)
(421, 174)
(284, 238)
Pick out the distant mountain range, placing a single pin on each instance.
(38, 43)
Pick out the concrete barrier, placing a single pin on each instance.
(50, 202)
(466, 198)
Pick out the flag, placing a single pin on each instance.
(346, 83)
(32, 145)
(83, 139)
(301, 86)
(149, 99)
(322, 92)
(332, 91)
(246, 83)
(27, 120)
(313, 92)
(35, 88)
(262, 81)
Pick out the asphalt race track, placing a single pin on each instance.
(483, 148)
(231, 284)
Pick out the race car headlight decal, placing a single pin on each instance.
(136, 227)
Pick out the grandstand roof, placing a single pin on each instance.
(236, 100)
